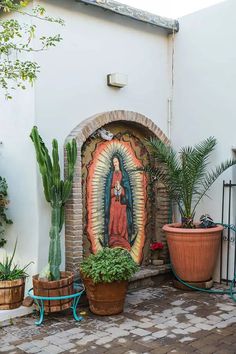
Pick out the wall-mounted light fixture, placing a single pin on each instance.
(117, 80)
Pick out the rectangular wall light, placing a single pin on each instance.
(117, 80)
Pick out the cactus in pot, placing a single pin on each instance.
(56, 192)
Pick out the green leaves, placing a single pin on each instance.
(8, 271)
(185, 175)
(4, 220)
(108, 265)
(167, 169)
(16, 38)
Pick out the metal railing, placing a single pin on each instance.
(228, 244)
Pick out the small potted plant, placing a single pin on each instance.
(155, 248)
(52, 282)
(105, 275)
(193, 247)
(12, 283)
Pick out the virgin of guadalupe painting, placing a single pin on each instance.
(116, 199)
(119, 222)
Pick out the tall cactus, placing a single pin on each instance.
(56, 192)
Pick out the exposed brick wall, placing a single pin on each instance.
(74, 207)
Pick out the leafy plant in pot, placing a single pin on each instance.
(52, 282)
(193, 250)
(105, 275)
(12, 283)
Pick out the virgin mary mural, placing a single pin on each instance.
(116, 199)
(119, 222)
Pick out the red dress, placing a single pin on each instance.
(118, 230)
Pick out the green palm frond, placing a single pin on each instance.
(164, 153)
(161, 175)
(184, 174)
(211, 177)
(194, 163)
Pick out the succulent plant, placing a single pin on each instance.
(56, 190)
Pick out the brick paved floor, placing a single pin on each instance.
(156, 320)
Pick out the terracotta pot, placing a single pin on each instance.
(54, 288)
(193, 252)
(105, 298)
(11, 293)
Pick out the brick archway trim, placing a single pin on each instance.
(74, 207)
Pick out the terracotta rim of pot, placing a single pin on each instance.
(176, 227)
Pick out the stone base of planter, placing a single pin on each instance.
(150, 276)
(157, 262)
(9, 315)
(201, 285)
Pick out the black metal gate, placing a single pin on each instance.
(228, 244)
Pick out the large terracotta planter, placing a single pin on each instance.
(55, 288)
(11, 293)
(193, 252)
(105, 298)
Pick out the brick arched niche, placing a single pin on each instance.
(74, 207)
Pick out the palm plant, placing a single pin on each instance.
(185, 174)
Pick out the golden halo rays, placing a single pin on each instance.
(97, 173)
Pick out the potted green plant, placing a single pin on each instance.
(4, 220)
(52, 282)
(12, 283)
(105, 275)
(193, 250)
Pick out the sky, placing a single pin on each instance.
(171, 8)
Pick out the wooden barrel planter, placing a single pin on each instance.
(105, 298)
(55, 288)
(11, 293)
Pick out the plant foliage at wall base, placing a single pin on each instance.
(4, 220)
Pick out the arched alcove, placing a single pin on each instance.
(74, 219)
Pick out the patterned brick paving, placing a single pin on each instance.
(156, 320)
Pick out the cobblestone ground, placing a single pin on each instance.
(156, 320)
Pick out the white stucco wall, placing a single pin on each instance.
(72, 87)
(204, 93)
(18, 166)
(72, 84)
